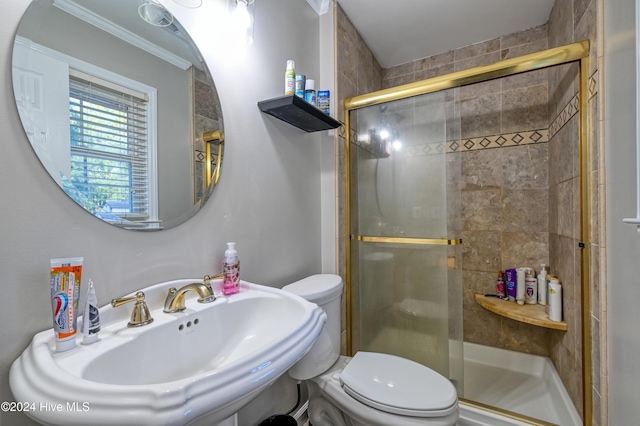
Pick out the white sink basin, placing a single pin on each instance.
(195, 367)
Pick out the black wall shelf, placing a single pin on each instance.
(299, 113)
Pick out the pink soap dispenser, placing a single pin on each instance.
(231, 271)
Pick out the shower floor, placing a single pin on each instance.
(497, 377)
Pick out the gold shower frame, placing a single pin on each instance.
(576, 52)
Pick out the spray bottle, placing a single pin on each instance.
(290, 78)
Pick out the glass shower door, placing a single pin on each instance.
(406, 261)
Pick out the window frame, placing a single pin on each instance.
(151, 94)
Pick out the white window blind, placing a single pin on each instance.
(109, 146)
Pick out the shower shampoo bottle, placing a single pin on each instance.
(542, 285)
(500, 290)
(231, 270)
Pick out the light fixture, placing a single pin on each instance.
(242, 20)
(154, 13)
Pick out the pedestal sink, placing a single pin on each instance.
(195, 367)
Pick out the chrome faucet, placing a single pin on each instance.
(175, 299)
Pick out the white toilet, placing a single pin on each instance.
(370, 389)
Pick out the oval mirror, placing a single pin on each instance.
(120, 107)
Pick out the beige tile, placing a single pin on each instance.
(476, 61)
(521, 337)
(524, 49)
(399, 70)
(524, 37)
(560, 29)
(435, 61)
(521, 210)
(481, 170)
(482, 327)
(481, 210)
(480, 89)
(477, 49)
(526, 166)
(397, 81)
(434, 72)
(481, 251)
(527, 79)
(525, 109)
(525, 249)
(480, 116)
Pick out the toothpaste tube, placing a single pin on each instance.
(90, 317)
(66, 275)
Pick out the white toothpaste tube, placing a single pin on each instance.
(90, 317)
(66, 275)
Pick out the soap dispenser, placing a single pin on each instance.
(231, 270)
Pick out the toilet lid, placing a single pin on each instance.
(397, 385)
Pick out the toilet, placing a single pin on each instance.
(370, 389)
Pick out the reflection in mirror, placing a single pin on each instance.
(120, 111)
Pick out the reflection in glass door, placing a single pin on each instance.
(406, 260)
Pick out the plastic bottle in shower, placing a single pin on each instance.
(542, 285)
(530, 288)
(520, 285)
(231, 270)
(500, 289)
(554, 298)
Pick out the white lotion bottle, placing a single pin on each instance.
(542, 285)
(555, 300)
(231, 271)
(520, 285)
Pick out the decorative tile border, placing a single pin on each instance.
(565, 115)
(593, 84)
(499, 141)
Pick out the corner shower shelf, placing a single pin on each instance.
(530, 314)
(299, 113)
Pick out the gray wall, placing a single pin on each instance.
(623, 268)
(268, 200)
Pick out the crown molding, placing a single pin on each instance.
(320, 6)
(91, 18)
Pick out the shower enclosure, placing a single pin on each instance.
(404, 290)
(406, 221)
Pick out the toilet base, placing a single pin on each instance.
(330, 405)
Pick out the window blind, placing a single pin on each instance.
(109, 146)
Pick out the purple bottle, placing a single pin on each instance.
(511, 279)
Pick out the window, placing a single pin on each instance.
(109, 147)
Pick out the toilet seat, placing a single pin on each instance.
(398, 386)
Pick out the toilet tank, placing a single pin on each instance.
(323, 290)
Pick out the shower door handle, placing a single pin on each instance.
(408, 240)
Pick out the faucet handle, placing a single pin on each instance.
(140, 315)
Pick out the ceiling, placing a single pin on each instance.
(399, 31)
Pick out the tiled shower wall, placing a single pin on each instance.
(572, 21)
(519, 177)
